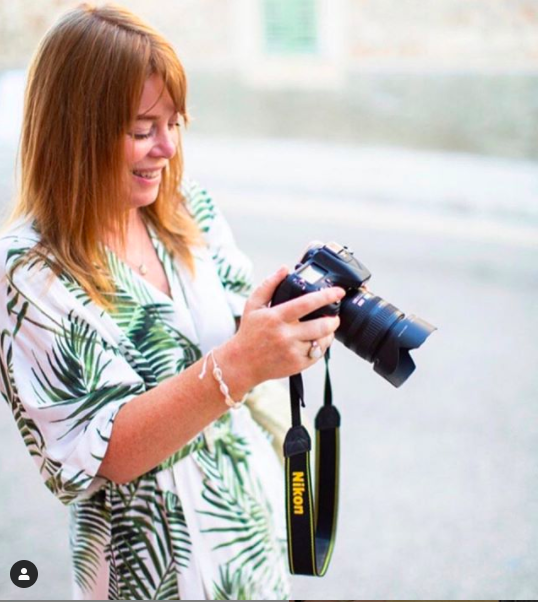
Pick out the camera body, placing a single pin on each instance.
(369, 326)
(323, 267)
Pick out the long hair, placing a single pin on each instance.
(84, 85)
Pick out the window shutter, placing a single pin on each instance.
(290, 26)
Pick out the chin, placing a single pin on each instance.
(144, 201)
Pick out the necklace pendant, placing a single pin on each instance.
(142, 268)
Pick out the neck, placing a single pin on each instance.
(135, 230)
(135, 221)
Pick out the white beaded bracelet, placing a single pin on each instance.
(217, 375)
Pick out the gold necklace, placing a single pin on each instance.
(141, 265)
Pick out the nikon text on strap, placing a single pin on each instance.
(311, 525)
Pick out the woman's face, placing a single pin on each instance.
(151, 142)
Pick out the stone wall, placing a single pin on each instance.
(460, 75)
(437, 34)
(460, 34)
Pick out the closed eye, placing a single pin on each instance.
(146, 135)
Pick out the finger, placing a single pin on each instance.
(302, 306)
(323, 344)
(326, 342)
(264, 293)
(316, 329)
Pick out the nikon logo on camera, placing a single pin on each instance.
(298, 488)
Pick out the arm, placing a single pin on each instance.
(74, 396)
(155, 424)
(271, 343)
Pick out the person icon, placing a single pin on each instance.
(23, 573)
(24, 576)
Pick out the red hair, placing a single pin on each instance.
(84, 85)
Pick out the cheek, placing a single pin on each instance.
(135, 151)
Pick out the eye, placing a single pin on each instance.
(146, 135)
(140, 135)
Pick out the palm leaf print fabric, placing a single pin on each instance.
(207, 523)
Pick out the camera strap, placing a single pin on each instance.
(311, 524)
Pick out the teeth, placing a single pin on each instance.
(147, 174)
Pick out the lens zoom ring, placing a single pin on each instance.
(376, 327)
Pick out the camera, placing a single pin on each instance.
(371, 327)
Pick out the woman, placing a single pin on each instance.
(121, 292)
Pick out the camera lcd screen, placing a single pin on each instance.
(310, 275)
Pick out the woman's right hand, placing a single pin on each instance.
(271, 341)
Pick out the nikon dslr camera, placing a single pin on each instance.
(370, 326)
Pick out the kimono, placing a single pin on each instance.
(208, 522)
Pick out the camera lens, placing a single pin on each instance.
(381, 334)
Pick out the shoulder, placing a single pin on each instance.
(25, 279)
(16, 241)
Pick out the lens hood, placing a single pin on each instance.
(393, 361)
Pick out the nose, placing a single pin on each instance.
(165, 145)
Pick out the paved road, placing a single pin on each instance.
(440, 476)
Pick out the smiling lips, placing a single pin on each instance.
(147, 175)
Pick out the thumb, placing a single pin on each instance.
(264, 293)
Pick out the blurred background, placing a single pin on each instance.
(407, 130)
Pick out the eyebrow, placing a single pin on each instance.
(152, 117)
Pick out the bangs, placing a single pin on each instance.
(164, 63)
